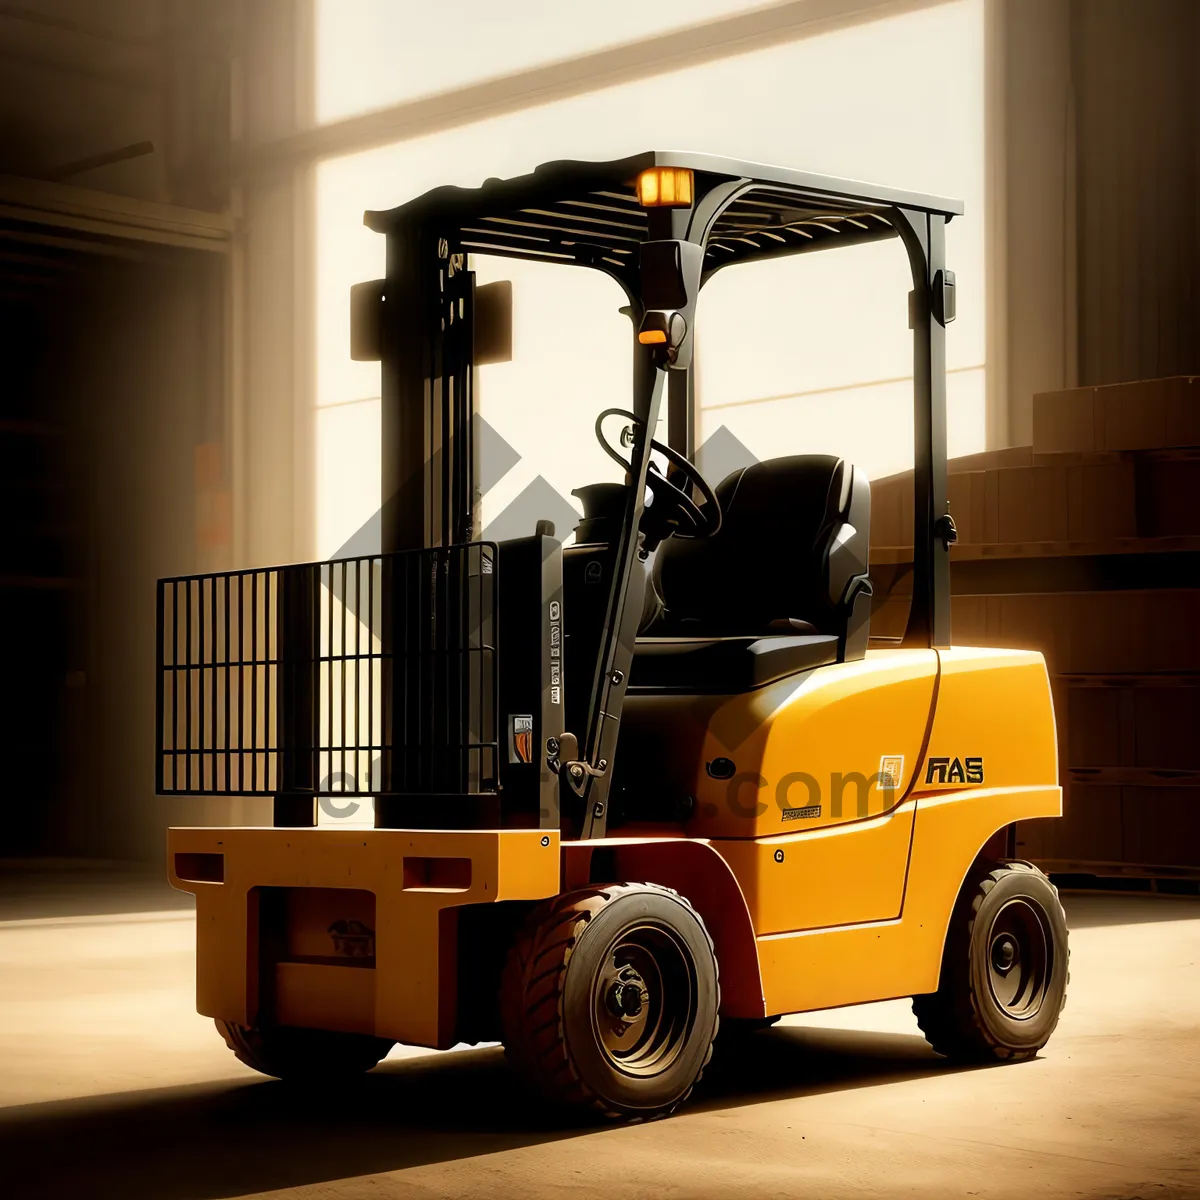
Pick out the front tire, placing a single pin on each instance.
(306, 1055)
(609, 1000)
(1004, 969)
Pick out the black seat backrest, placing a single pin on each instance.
(792, 548)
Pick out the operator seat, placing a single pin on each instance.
(781, 587)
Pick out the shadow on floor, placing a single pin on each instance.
(1092, 910)
(41, 889)
(231, 1138)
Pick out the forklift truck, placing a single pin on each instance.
(630, 787)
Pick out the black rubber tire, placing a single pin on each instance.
(964, 1019)
(315, 1055)
(548, 989)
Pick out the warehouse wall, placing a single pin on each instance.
(1138, 93)
(143, 375)
(114, 161)
(1094, 159)
(1031, 174)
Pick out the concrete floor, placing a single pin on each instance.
(110, 1085)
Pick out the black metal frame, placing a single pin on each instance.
(588, 214)
(428, 465)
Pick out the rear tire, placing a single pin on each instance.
(1005, 968)
(316, 1055)
(609, 1000)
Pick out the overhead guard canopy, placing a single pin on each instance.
(703, 213)
(589, 213)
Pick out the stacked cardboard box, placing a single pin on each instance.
(1034, 498)
(1157, 414)
(1086, 546)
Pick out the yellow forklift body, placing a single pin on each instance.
(882, 960)
(817, 819)
(808, 750)
(363, 947)
(852, 907)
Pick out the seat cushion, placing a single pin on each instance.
(725, 664)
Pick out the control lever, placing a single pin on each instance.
(562, 756)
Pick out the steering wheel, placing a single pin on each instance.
(685, 517)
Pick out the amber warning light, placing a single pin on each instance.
(665, 187)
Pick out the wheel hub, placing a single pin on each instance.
(1020, 959)
(627, 995)
(1005, 954)
(644, 1000)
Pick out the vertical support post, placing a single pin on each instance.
(391, 687)
(406, 368)
(161, 742)
(929, 618)
(939, 504)
(427, 373)
(458, 342)
(297, 712)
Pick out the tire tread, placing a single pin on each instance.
(537, 1049)
(950, 1019)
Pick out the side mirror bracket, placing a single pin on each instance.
(366, 320)
(670, 284)
(945, 303)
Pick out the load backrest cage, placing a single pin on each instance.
(364, 676)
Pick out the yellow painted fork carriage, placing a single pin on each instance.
(394, 933)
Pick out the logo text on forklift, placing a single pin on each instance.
(954, 770)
